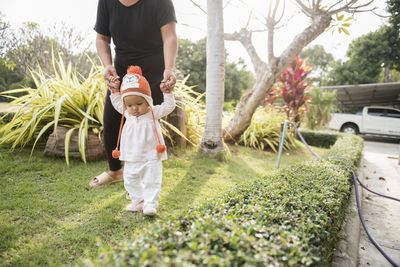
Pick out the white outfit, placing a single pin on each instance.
(143, 164)
(138, 138)
(142, 180)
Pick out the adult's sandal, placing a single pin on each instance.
(104, 179)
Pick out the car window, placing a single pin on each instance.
(393, 113)
(376, 111)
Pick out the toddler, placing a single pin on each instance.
(142, 144)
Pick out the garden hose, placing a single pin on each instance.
(356, 182)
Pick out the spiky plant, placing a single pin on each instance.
(265, 130)
(195, 112)
(65, 99)
(294, 86)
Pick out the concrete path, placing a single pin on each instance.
(382, 216)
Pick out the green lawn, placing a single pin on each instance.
(49, 215)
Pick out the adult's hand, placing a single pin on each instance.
(168, 83)
(111, 77)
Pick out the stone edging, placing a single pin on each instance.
(346, 252)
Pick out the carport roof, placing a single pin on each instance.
(359, 95)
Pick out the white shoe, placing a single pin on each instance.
(150, 211)
(135, 207)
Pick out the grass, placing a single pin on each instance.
(49, 215)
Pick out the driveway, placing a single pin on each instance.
(381, 173)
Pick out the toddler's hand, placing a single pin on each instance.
(165, 89)
(111, 77)
(113, 84)
(168, 83)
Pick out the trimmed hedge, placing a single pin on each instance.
(292, 217)
(319, 139)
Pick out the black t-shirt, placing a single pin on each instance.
(135, 31)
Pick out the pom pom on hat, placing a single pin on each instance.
(161, 148)
(134, 70)
(115, 154)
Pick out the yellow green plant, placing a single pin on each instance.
(66, 99)
(195, 111)
(265, 130)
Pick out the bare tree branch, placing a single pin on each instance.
(248, 20)
(266, 75)
(349, 7)
(309, 12)
(271, 25)
(193, 27)
(319, 24)
(283, 12)
(318, 4)
(197, 5)
(332, 6)
(244, 37)
(226, 4)
(379, 15)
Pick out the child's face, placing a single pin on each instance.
(136, 105)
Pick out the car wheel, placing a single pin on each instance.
(350, 129)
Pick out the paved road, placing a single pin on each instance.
(382, 216)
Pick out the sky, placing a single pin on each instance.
(192, 22)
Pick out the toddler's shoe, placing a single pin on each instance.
(135, 207)
(150, 211)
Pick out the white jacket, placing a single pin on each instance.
(138, 138)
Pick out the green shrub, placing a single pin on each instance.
(292, 217)
(319, 139)
(230, 106)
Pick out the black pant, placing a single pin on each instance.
(112, 118)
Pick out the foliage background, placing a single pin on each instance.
(191, 60)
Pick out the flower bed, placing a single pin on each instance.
(292, 217)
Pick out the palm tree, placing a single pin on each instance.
(211, 142)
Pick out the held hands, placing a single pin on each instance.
(168, 83)
(112, 78)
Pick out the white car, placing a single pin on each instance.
(374, 120)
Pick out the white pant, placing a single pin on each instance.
(142, 180)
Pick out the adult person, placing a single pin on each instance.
(143, 32)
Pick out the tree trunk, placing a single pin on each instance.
(211, 142)
(178, 119)
(266, 78)
(55, 145)
(387, 75)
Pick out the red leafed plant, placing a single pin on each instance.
(294, 86)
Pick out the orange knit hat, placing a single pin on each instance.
(134, 83)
